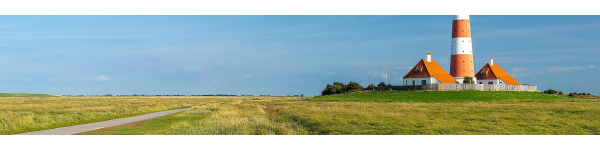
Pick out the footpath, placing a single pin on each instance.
(98, 125)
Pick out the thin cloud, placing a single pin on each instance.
(591, 66)
(563, 69)
(102, 78)
(522, 72)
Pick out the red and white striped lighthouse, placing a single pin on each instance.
(461, 61)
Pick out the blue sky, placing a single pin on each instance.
(279, 55)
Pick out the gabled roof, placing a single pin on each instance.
(430, 69)
(496, 72)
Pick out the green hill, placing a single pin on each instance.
(444, 96)
(24, 95)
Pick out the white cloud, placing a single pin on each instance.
(568, 68)
(520, 71)
(407, 67)
(188, 68)
(102, 78)
(591, 66)
(247, 76)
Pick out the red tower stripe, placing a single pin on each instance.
(461, 28)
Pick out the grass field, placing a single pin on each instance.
(445, 96)
(23, 114)
(24, 95)
(523, 113)
(395, 113)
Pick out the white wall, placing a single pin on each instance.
(494, 81)
(428, 80)
(460, 80)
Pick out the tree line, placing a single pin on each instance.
(341, 88)
(551, 91)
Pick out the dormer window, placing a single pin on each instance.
(418, 69)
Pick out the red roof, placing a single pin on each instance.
(430, 69)
(496, 72)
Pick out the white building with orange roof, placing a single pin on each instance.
(492, 73)
(427, 71)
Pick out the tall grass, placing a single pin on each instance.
(237, 117)
(24, 114)
(495, 113)
(355, 117)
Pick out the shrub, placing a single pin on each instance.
(381, 84)
(561, 93)
(571, 94)
(371, 86)
(353, 86)
(551, 91)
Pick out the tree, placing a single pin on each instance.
(353, 86)
(468, 80)
(371, 86)
(381, 84)
(571, 94)
(561, 93)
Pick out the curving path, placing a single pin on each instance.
(97, 125)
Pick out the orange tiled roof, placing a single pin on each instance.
(496, 73)
(430, 69)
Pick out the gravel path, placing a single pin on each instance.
(97, 125)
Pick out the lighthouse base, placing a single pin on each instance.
(460, 80)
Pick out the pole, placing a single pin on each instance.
(386, 77)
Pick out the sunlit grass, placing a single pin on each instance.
(445, 96)
(24, 114)
(495, 113)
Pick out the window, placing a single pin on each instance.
(463, 61)
(464, 71)
(480, 82)
(423, 82)
(483, 75)
(463, 31)
(490, 82)
(413, 82)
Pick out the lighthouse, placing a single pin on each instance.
(461, 59)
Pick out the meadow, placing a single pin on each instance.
(396, 112)
(26, 112)
(501, 113)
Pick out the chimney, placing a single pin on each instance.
(428, 57)
(492, 61)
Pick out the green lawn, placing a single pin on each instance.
(446, 96)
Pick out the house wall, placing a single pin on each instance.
(428, 80)
(495, 81)
(458, 87)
